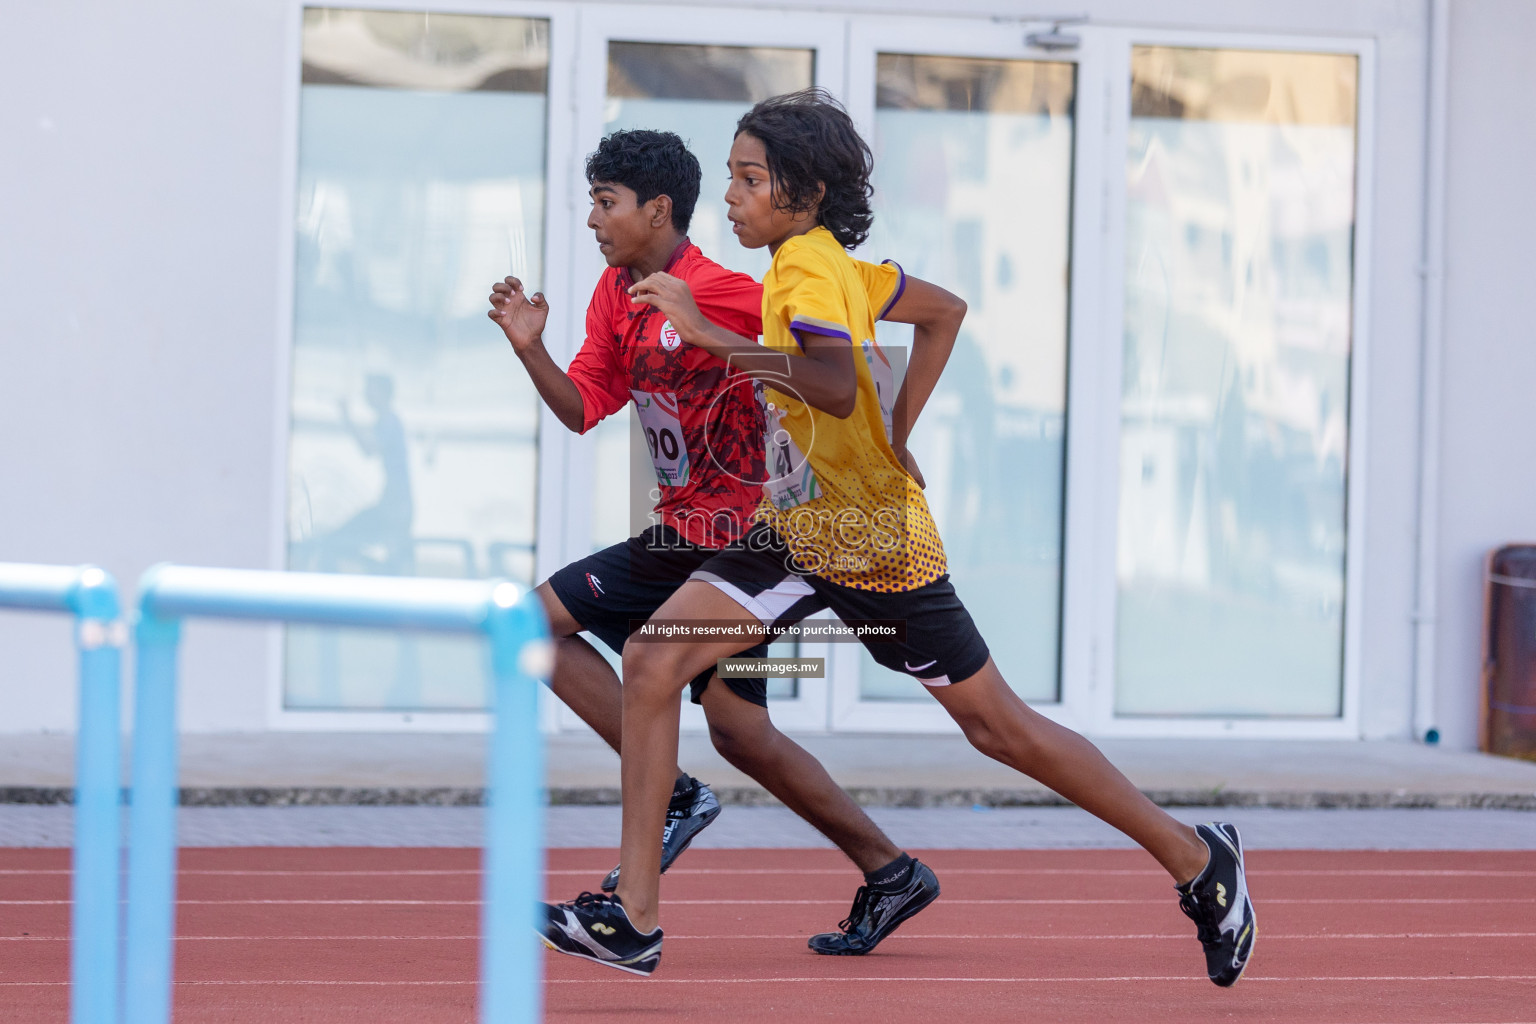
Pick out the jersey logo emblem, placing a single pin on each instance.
(918, 668)
(596, 585)
(668, 336)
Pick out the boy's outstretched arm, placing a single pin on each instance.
(522, 319)
(825, 378)
(936, 315)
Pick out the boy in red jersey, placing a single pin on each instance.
(705, 438)
(852, 525)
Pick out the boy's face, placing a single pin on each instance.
(624, 227)
(754, 218)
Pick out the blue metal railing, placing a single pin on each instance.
(90, 595)
(508, 616)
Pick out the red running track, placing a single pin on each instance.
(270, 936)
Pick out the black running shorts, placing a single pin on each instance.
(942, 644)
(627, 582)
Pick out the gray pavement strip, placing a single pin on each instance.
(23, 825)
(752, 796)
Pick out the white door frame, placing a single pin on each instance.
(1104, 459)
(973, 37)
(599, 25)
(549, 536)
(845, 50)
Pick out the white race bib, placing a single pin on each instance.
(791, 481)
(884, 376)
(663, 435)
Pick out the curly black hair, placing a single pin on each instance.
(811, 143)
(652, 164)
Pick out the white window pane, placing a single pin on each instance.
(414, 431)
(973, 185)
(698, 93)
(1234, 410)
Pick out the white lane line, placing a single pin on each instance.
(274, 938)
(365, 903)
(930, 980)
(1247, 979)
(827, 872)
(902, 936)
(1126, 872)
(1354, 901)
(1180, 937)
(287, 872)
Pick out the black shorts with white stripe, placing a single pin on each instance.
(620, 585)
(941, 643)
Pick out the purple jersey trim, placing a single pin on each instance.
(901, 286)
(820, 327)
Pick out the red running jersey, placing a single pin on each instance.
(702, 422)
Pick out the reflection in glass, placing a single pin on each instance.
(413, 443)
(1234, 408)
(698, 92)
(973, 186)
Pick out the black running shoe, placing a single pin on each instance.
(687, 816)
(877, 912)
(594, 927)
(1217, 901)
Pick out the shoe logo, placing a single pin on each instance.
(602, 928)
(1221, 894)
(918, 668)
(596, 585)
(888, 905)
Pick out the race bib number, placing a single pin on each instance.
(884, 376)
(663, 435)
(791, 481)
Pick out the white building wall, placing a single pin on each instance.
(1488, 442)
(138, 282)
(140, 251)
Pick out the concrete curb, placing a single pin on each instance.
(750, 796)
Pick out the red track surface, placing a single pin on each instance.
(270, 936)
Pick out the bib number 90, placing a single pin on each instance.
(663, 435)
(663, 445)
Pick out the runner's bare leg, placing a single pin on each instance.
(999, 724)
(655, 675)
(582, 678)
(746, 737)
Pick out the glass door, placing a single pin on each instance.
(696, 80)
(413, 439)
(975, 135)
(1144, 454)
(1238, 258)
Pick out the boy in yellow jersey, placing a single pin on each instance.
(844, 526)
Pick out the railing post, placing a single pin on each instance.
(514, 625)
(152, 831)
(513, 870)
(93, 966)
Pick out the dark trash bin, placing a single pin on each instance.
(1509, 655)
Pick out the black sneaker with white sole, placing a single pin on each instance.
(687, 816)
(876, 913)
(595, 927)
(1217, 901)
